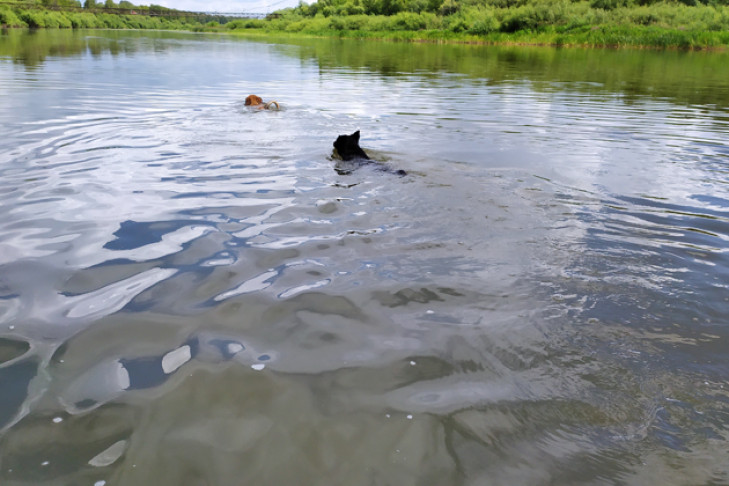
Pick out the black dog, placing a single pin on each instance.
(347, 146)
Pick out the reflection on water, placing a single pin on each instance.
(191, 294)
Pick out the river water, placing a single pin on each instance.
(190, 294)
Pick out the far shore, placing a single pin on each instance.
(613, 40)
(556, 23)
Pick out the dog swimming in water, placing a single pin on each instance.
(348, 149)
(257, 102)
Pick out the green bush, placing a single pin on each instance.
(484, 22)
(246, 24)
(336, 23)
(56, 20)
(378, 23)
(33, 19)
(356, 22)
(449, 7)
(110, 21)
(297, 26)
(643, 16)
(10, 19)
(317, 24)
(51, 20)
(409, 21)
(78, 21)
(534, 16)
(457, 23)
(609, 4)
(347, 8)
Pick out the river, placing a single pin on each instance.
(191, 294)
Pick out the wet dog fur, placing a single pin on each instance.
(347, 146)
(257, 102)
(253, 100)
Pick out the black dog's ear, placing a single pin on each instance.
(356, 136)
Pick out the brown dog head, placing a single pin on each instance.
(253, 100)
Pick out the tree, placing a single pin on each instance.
(90, 4)
(110, 4)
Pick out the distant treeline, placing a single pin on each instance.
(660, 23)
(677, 23)
(93, 15)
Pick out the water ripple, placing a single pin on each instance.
(541, 300)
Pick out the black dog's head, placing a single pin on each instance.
(348, 148)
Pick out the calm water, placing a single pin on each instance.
(190, 294)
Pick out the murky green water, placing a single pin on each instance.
(190, 294)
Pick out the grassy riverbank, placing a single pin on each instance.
(597, 23)
(601, 36)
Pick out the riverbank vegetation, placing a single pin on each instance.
(91, 14)
(685, 24)
(692, 24)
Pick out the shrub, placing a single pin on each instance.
(408, 21)
(484, 22)
(417, 6)
(317, 24)
(336, 23)
(392, 7)
(82, 20)
(34, 19)
(134, 21)
(356, 22)
(297, 26)
(643, 16)
(535, 15)
(110, 21)
(56, 20)
(371, 7)
(8, 18)
(51, 21)
(457, 23)
(347, 8)
(449, 7)
(245, 24)
(609, 4)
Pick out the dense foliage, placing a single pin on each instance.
(685, 23)
(93, 15)
(450, 7)
(671, 23)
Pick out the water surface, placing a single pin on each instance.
(190, 294)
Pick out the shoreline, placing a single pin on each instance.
(516, 39)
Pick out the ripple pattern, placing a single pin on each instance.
(190, 293)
